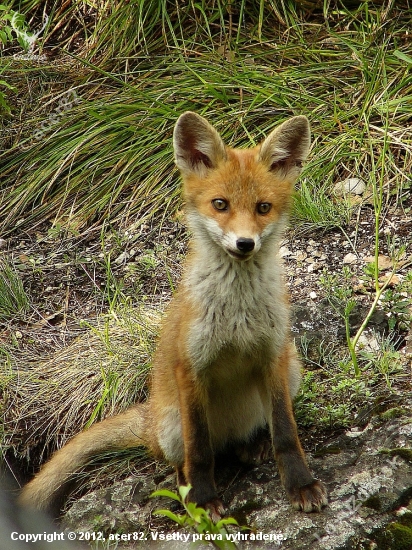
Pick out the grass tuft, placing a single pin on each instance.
(13, 298)
(107, 155)
(102, 372)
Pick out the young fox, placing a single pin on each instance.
(225, 369)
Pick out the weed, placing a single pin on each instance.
(330, 397)
(13, 26)
(198, 519)
(13, 298)
(102, 372)
(113, 291)
(398, 307)
(387, 360)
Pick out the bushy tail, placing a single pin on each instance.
(126, 430)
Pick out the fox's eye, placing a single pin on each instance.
(220, 204)
(263, 207)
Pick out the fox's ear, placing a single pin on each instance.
(285, 149)
(198, 147)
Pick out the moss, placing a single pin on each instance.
(394, 536)
(402, 536)
(373, 502)
(328, 450)
(248, 507)
(406, 519)
(403, 452)
(395, 412)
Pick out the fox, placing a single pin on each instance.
(225, 370)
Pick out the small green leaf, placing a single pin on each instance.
(184, 491)
(180, 520)
(226, 521)
(165, 493)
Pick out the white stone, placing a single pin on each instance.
(354, 186)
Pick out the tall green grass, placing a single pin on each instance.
(13, 297)
(245, 67)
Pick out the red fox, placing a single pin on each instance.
(225, 369)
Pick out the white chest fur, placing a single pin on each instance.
(241, 307)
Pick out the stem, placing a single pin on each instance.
(371, 310)
(377, 204)
(351, 347)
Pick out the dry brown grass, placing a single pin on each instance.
(101, 373)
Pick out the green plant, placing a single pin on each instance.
(4, 105)
(13, 298)
(331, 398)
(398, 308)
(198, 519)
(13, 26)
(11, 23)
(387, 360)
(215, 57)
(113, 289)
(55, 398)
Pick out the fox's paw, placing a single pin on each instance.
(309, 498)
(255, 453)
(216, 509)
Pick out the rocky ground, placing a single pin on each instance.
(367, 467)
(368, 473)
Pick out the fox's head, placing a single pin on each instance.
(238, 198)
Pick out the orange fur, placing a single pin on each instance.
(225, 368)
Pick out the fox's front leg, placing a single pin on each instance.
(198, 467)
(304, 492)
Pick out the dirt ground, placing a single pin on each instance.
(69, 278)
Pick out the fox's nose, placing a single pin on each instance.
(245, 245)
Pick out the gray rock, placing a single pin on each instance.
(317, 322)
(368, 475)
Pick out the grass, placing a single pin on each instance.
(108, 156)
(13, 298)
(331, 398)
(103, 371)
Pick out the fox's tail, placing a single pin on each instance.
(50, 485)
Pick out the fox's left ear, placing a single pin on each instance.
(285, 149)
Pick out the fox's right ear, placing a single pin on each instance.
(198, 146)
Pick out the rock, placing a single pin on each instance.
(368, 342)
(123, 507)
(316, 322)
(284, 252)
(350, 258)
(369, 479)
(377, 323)
(389, 279)
(122, 258)
(384, 262)
(353, 186)
(300, 256)
(313, 267)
